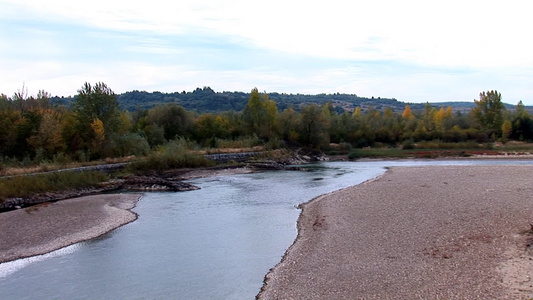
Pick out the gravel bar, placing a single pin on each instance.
(50, 226)
(446, 232)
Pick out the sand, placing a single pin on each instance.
(456, 232)
(50, 226)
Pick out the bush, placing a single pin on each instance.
(174, 155)
(131, 144)
(245, 142)
(408, 144)
(443, 145)
(61, 159)
(377, 153)
(274, 144)
(354, 155)
(362, 142)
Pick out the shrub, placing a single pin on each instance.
(244, 142)
(61, 159)
(354, 155)
(274, 144)
(174, 155)
(408, 144)
(131, 144)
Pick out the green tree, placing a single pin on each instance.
(289, 124)
(131, 144)
(9, 119)
(314, 130)
(48, 136)
(96, 102)
(255, 114)
(155, 135)
(272, 112)
(209, 127)
(176, 121)
(507, 127)
(26, 127)
(259, 115)
(489, 112)
(522, 124)
(520, 110)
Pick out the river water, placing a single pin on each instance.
(214, 243)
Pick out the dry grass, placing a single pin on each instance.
(47, 166)
(234, 150)
(26, 186)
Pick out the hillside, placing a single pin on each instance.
(206, 100)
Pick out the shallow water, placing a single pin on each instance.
(214, 243)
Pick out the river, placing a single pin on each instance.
(214, 243)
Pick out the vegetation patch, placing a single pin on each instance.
(174, 155)
(35, 132)
(419, 153)
(26, 186)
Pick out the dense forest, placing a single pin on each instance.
(206, 100)
(94, 124)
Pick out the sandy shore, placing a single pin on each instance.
(50, 226)
(456, 232)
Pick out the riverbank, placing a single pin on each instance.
(50, 226)
(444, 232)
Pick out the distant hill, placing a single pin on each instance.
(205, 100)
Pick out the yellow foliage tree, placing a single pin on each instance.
(99, 132)
(438, 118)
(357, 112)
(125, 123)
(506, 129)
(449, 112)
(407, 113)
(48, 137)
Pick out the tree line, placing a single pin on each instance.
(203, 100)
(93, 126)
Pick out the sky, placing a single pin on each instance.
(414, 51)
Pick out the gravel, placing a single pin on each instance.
(50, 226)
(452, 232)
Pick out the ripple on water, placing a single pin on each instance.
(11, 267)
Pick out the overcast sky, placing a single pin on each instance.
(414, 51)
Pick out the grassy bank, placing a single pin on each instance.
(179, 154)
(174, 155)
(26, 186)
(422, 153)
(436, 149)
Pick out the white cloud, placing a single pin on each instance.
(421, 48)
(471, 33)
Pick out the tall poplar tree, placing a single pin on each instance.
(96, 102)
(489, 112)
